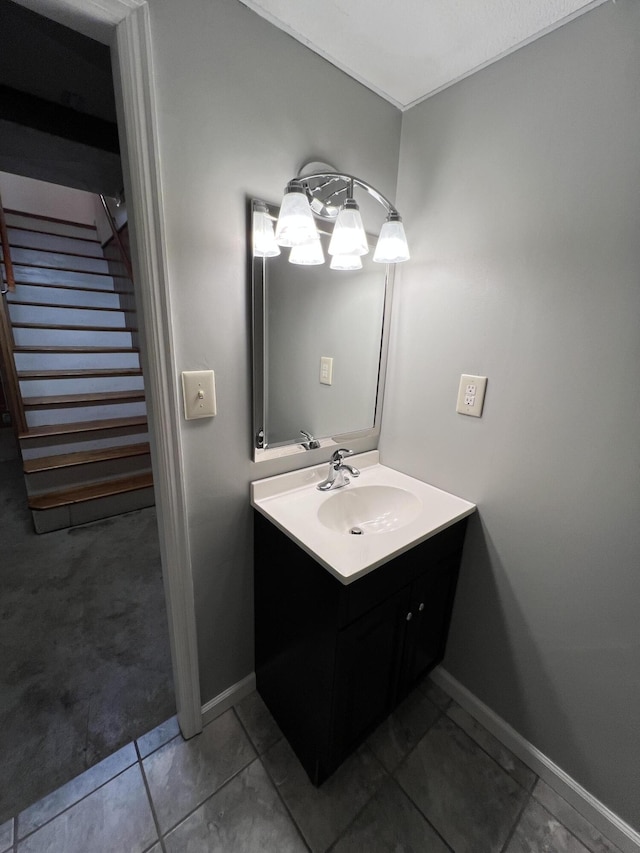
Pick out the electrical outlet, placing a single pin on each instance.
(471, 395)
(326, 370)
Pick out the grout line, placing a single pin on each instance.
(387, 777)
(516, 823)
(145, 782)
(585, 843)
(212, 794)
(488, 754)
(75, 803)
(270, 778)
(441, 713)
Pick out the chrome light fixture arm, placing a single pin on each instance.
(351, 180)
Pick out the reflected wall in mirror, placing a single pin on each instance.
(302, 315)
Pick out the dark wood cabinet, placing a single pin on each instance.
(334, 659)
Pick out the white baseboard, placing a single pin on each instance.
(219, 704)
(606, 821)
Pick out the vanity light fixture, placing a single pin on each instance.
(392, 245)
(346, 262)
(349, 237)
(295, 224)
(329, 195)
(308, 254)
(264, 239)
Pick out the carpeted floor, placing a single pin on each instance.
(84, 654)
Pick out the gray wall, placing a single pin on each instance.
(241, 105)
(520, 190)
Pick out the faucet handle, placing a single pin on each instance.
(339, 454)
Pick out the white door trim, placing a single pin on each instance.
(133, 71)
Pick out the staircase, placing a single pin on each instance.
(85, 446)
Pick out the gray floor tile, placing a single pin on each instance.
(115, 817)
(539, 832)
(467, 797)
(6, 835)
(245, 816)
(435, 694)
(573, 820)
(390, 823)
(257, 720)
(47, 808)
(157, 737)
(505, 758)
(395, 738)
(323, 813)
(182, 774)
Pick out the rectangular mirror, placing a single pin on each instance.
(302, 317)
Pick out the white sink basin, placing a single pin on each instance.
(359, 510)
(393, 511)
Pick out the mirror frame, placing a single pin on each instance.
(258, 281)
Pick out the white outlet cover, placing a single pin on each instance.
(471, 404)
(199, 393)
(326, 370)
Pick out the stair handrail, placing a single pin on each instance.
(116, 235)
(7, 364)
(6, 252)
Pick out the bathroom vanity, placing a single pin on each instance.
(344, 631)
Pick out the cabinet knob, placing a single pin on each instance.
(409, 616)
(421, 606)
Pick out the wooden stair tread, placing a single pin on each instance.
(79, 373)
(82, 426)
(43, 218)
(81, 399)
(17, 264)
(73, 327)
(91, 491)
(52, 233)
(34, 348)
(70, 307)
(72, 287)
(44, 250)
(84, 457)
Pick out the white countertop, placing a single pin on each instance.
(292, 501)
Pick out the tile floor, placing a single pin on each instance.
(430, 779)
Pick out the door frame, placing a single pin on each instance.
(128, 25)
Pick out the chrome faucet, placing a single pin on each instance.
(311, 443)
(338, 469)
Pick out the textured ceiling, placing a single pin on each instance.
(406, 50)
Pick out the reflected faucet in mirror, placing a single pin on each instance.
(311, 443)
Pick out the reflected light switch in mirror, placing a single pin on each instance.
(199, 392)
(326, 370)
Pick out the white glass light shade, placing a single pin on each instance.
(295, 223)
(346, 262)
(348, 236)
(392, 245)
(308, 254)
(264, 240)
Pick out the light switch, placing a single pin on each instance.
(471, 395)
(326, 370)
(199, 392)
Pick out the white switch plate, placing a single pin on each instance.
(471, 395)
(199, 393)
(326, 370)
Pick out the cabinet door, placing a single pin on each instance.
(368, 659)
(430, 607)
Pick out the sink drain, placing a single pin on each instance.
(356, 531)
